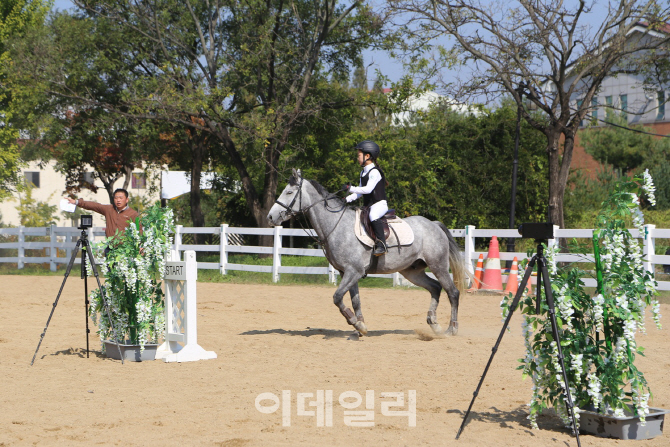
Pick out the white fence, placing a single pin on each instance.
(64, 238)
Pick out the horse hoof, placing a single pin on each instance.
(360, 327)
(437, 329)
(451, 331)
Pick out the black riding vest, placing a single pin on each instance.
(378, 194)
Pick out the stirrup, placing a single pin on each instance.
(380, 248)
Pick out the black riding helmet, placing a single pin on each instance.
(368, 147)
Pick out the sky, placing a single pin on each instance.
(373, 60)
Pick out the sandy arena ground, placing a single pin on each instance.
(269, 339)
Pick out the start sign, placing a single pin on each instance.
(175, 270)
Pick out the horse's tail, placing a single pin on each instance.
(462, 275)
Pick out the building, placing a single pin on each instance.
(49, 187)
(625, 94)
(421, 103)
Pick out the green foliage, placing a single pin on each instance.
(585, 195)
(16, 17)
(658, 162)
(621, 151)
(76, 54)
(447, 166)
(133, 271)
(621, 148)
(33, 212)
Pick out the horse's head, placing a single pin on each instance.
(289, 202)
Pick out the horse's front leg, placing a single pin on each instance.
(356, 303)
(349, 279)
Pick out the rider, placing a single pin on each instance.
(372, 186)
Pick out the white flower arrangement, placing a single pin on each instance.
(597, 333)
(133, 272)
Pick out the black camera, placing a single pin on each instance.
(85, 221)
(538, 231)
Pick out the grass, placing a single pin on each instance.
(34, 270)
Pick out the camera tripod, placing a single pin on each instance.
(85, 252)
(546, 284)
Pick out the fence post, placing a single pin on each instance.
(22, 249)
(396, 279)
(53, 251)
(276, 254)
(177, 238)
(469, 252)
(331, 274)
(223, 246)
(68, 245)
(552, 242)
(649, 248)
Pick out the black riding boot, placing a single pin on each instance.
(380, 242)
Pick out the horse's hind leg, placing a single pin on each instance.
(442, 274)
(419, 278)
(356, 303)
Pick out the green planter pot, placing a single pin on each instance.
(132, 353)
(627, 427)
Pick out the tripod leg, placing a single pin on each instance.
(84, 276)
(512, 308)
(67, 273)
(89, 252)
(542, 267)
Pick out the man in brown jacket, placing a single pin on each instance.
(117, 216)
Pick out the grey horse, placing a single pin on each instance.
(434, 247)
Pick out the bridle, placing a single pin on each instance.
(290, 212)
(289, 208)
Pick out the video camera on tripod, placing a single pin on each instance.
(85, 222)
(541, 233)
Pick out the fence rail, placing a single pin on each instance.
(57, 240)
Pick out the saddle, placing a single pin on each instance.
(367, 224)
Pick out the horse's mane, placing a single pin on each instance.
(326, 194)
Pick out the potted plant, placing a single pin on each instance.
(597, 332)
(133, 272)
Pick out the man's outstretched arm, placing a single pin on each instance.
(88, 205)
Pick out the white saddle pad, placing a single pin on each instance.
(401, 232)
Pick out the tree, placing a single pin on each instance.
(629, 149)
(243, 71)
(546, 53)
(444, 165)
(616, 145)
(79, 137)
(33, 212)
(16, 16)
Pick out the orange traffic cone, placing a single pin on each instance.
(476, 283)
(492, 280)
(513, 278)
